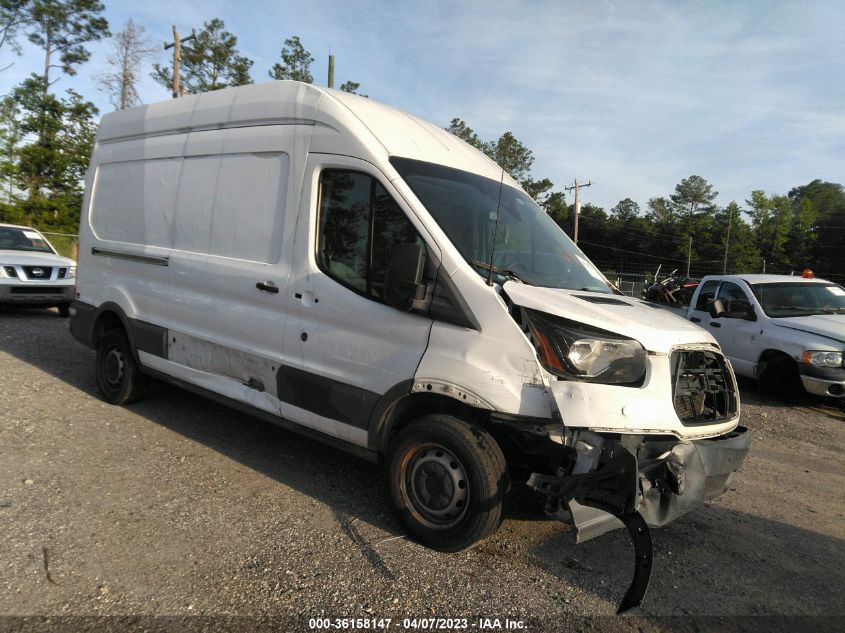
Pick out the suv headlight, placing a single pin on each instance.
(579, 352)
(71, 272)
(823, 359)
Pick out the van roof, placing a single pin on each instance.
(378, 130)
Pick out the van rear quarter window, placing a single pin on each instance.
(197, 204)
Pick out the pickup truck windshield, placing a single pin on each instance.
(530, 247)
(14, 239)
(799, 299)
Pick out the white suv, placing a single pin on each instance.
(32, 273)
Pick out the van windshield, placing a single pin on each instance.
(529, 245)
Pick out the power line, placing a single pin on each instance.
(669, 259)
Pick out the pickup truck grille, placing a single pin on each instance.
(702, 387)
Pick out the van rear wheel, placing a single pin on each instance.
(448, 482)
(118, 377)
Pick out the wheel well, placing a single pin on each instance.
(106, 322)
(771, 356)
(415, 406)
(524, 451)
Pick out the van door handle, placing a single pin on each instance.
(714, 324)
(267, 286)
(695, 319)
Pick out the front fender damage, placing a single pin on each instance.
(638, 482)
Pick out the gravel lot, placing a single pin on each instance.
(177, 506)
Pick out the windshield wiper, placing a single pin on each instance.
(499, 271)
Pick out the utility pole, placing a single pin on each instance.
(577, 189)
(176, 45)
(727, 242)
(689, 255)
(331, 70)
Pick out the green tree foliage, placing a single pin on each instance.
(459, 128)
(62, 29)
(10, 136)
(296, 63)
(210, 61)
(352, 88)
(741, 249)
(771, 219)
(130, 47)
(826, 237)
(14, 15)
(693, 206)
(57, 137)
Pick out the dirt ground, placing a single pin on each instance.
(182, 509)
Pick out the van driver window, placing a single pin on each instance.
(359, 225)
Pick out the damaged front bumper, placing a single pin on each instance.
(636, 482)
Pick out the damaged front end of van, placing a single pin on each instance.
(649, 416)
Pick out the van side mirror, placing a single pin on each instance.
(716, 308)
(403, 282)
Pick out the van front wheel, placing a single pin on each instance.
(118, 377)
(448, 482)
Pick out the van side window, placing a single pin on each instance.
(359, 225)
(706, 294)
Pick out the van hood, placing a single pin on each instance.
(658, 330)
(29, 258)
(827, 325)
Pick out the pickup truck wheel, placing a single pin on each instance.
(780, 379)
(119, 379)
(448, 481)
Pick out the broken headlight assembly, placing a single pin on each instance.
(577, 352)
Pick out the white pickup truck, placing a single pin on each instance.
(784, 331)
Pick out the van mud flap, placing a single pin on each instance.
(612, 488)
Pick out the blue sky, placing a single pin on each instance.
(634, 96)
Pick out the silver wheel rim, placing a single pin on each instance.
(437, 486)
(113, 367)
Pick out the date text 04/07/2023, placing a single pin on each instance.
(424, 624)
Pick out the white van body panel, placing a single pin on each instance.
(206, 291)
(335, 333)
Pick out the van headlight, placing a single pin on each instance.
(576, 351)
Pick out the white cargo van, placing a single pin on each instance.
(356, 274)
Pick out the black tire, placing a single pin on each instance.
(119, 379)
(448, 482)
(64, 310)
(780, 379)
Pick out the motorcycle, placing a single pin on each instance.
(670, 290)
